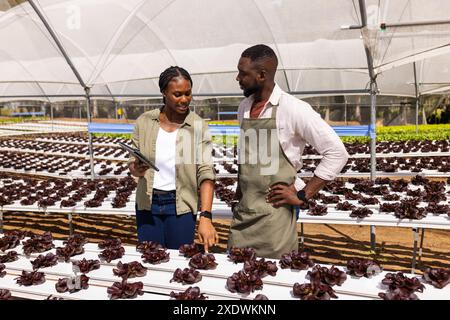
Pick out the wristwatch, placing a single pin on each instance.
(206, 214)
(301, 194)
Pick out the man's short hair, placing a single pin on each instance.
(259, 52)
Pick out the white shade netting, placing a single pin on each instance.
(123, 46)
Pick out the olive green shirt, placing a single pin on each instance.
(193, 163)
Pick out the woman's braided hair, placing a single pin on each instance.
(172, 72)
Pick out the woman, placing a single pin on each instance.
(177, 140)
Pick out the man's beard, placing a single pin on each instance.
(249, 91)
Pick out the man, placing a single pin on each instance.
(280, 125)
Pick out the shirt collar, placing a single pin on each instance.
(187, 121)
(274, 98)
(276, 95)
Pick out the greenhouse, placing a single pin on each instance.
(76, 76)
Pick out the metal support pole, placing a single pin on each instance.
(417, 115)
(345, 111)
(115, 108)
(91, 152)
(373, 137)
(218, 112)
(416, 238)
(1, 220)
(421, 243)
(373, 241)
(373, 103)
(417, 97)
(70, 224)
(51, 114)
(302, 235)
(373, 147)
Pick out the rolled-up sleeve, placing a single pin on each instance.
(324, 139)
(205, 167)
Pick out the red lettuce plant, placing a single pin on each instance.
(30, 278)
(42, 261)
(296, 260)
(9, 242)
(130, 270)
(2, 273)
(203, 261)
(5, 294)
(9, 257)
(318, 210)
(363, 268)
(109, 243)
(368, 201)
(51, 297)
(72, 284)
(399, 280)
(20, 234)
(391, 197)
(345, 206)
(148, 245)
(76, 240)
(70, 250)
(38, 243)
(186, 276)
(400, 185)
(85, 266)
(125, 290)
(408, 210)
(398, 294)
(313, 291)
(438, 208)
(360, 213)
(388, 207)
(112, 253)
(243, 282)
(419, 180)
(189, 250)
(438, 277)
(238, 255)
(191, 293)
(261, 297)
(156, 256)
(261, 267)
(331, 277)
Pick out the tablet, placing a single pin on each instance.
(137, 154)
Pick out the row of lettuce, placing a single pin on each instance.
(392, 133)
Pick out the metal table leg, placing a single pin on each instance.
(416, 238)
(70, 224)
(421, 243)
(302, 236)
(373, 238)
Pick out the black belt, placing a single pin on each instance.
(162, 192)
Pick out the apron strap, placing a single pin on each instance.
(274, 112)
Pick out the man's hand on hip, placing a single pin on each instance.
(280, 194)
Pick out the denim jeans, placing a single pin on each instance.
(163, 225)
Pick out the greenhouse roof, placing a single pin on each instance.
(119, 48)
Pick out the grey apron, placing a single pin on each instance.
(256, 223)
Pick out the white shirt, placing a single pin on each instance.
(298, 124)
(164, 179)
